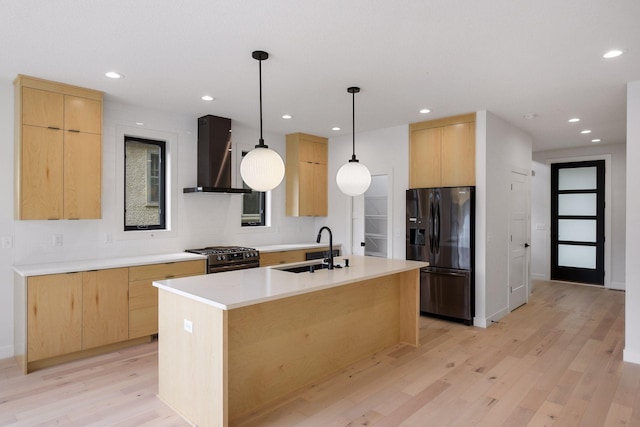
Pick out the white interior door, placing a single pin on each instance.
(518, 244)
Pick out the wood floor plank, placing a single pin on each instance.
(556, 361)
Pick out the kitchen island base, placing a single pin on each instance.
(217, 365)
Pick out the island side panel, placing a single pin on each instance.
(410, 307)
(192, 365)
(279, 346)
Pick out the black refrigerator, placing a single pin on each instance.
(441, 231)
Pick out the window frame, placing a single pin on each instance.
(162, 184)
(261, 201)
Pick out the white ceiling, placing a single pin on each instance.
(510, 57)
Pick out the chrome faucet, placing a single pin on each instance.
(330, 245)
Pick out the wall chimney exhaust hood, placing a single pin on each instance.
(214, 157)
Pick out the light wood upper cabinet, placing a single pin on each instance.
(458, 155)
(58, 150)
(41, 178)
(54, 318)
(306, 175)
(42, 108)
(442, 152)
(82, 175)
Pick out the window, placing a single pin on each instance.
(253, 207)
(144, 184)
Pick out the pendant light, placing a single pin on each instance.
(262, 169)
(353, 178)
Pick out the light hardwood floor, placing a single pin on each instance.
(555, 361)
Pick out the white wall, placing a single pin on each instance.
(6, 218)
(632, 266)
(201, 219)
(500, 149)
(541, 208)
(384, 152)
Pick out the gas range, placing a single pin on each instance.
(227, 258)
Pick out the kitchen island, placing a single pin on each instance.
(234, 342)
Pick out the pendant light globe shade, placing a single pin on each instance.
(353, 178)
(262, 169)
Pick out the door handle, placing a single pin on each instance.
(526, 245)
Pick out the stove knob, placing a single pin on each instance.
(219, 258)
(224, 257)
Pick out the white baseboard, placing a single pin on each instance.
(486, 322)
(631, 356)
(538, 276)
(620, 286)
(6, 352)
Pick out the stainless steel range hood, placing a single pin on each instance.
(214, 157)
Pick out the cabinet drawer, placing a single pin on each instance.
(166, 270)
(143, 322)
(142, 294)
(283, 257)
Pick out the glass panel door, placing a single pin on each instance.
(376, 217)
(577, 222)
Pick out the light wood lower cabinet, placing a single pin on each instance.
(73, 315)
(105, 307)
(286, 257)
(54, 315)
(143, 297)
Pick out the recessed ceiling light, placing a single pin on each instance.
(425, 111)
(574, 120)
(208, 98)
(612, 54)
(595, 140)
(585, 131)
(530, 116)
(140, 123)
(113, 75)
(287, 116)
(335, 128)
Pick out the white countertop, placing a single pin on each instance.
(295, 246)
(234, 289)
(100, 264)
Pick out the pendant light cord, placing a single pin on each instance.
(353, 91)
(353, 115)
(260, 55)
(261, 141)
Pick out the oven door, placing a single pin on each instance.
(231, 267)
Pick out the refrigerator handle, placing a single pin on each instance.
(431, 214)
(436, 227)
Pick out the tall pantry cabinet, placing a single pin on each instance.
(58, 152)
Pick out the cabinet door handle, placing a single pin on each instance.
(74, 130)
(53, 128)
(170, 276)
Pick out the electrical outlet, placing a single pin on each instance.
(57, 240)
(7, 242)
(188, 326)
